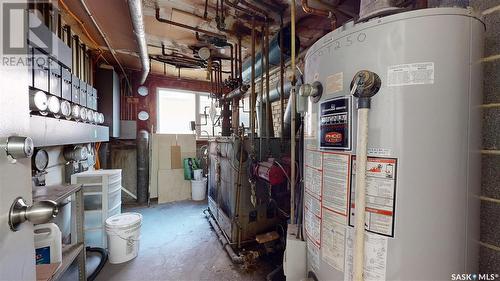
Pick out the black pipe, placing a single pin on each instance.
(142, 167)
(222, 239)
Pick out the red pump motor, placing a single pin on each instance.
(271, 172)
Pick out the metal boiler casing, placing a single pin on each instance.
(424, 140)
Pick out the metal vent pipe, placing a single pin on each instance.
(135, 8)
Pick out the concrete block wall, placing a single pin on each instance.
(490, 186)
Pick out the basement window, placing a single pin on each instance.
(176, 109)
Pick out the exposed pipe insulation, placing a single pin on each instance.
(274, 54)
(135, 7)
(365, 84)
(105, 38)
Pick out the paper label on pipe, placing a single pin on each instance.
(375, 264)
(334, 83)
(410, 74)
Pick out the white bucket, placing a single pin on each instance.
(199, 189)
(124, 234)
(198, 174)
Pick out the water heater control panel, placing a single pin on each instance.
(335, 123)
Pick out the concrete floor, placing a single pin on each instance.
(177, 243)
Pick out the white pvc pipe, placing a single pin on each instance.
(360, 192)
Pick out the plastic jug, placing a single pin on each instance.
(48, 245)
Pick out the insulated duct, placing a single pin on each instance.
(135, 8)
(274, 54)
(274, 95)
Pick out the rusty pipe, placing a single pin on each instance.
(236, 62)
(240, 63)
(254, 8)
(196, 29)
(246, 11)
(232, 58)
(252, 93)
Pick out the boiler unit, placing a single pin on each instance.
(242, 200)
(423, 166)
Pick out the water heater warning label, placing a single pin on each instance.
(380, 195)
(410, 74)
(335, 123)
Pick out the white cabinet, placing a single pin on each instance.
(102, 199)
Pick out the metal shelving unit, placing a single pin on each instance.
(76, 250)
(47, 131)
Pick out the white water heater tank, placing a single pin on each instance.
(423, 170)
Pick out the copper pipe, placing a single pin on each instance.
(158, 18)
(319, 12)
(252, 93)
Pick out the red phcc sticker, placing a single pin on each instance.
(333, 137)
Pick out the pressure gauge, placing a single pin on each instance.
(143, 115)
(66, 109)
(90, 116)
(75, 111)
(204, 53)
(83, 114)
(38, 101)
(101, 118)
(143, 91)
(76, 153)
(41, 160)
(54, 106)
